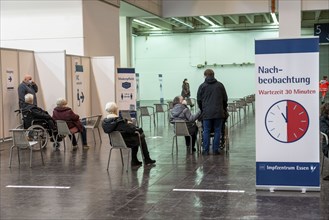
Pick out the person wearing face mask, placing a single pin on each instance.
(26, 87)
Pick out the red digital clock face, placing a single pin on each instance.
(287, 121)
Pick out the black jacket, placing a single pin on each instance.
(324, 127)
(126, 129)
(212, 99)
(31, 112)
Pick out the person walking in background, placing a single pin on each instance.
(113, 122)
(323, 88)
(27, 86)
(186, 93)
(212, 101)
(180, 112)
(62, 112)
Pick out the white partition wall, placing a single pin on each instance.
(50, 69)
(26, 64)
(69, 95)
(9, 75)
(103, 72)
(1, 105)
(80, 76)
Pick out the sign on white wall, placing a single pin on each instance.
(10, 79)
(126, 89)
(287, 119)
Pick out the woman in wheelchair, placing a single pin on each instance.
(128, 131)
(180, 111)
(324, 127)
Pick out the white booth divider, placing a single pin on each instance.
(50, 69)
(1, 106)
(57, 75)
(26, 65)
(80, 84)
(10, 81)
(104, 76)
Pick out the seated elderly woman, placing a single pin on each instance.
(62, 112)
(113, 122)
(32, 113)
(180, 112)
(324, 127)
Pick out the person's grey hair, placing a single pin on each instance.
(61, 102)
(28, 98)
(111, 107)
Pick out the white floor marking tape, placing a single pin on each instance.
(39, 187)
(209, 190)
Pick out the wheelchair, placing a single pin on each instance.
(38, 129)
(224, 142)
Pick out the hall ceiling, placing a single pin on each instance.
(158, 25)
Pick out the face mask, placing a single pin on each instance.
(30, 81)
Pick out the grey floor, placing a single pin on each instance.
(149, 192)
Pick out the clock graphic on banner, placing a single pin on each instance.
(287, 121)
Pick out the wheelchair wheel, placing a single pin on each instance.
(38, 133)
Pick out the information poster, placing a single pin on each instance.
(287, 114)
(126, 89)
(10, 79)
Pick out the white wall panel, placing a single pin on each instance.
(101, 30)
(103, 91)
(176, 57)
(42, 25)
(210, 7)
(26, 64)
(308, 5)
(50, 69)
(9, 68)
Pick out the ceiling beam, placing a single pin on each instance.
(250, 18)
(234, 18)
(317, 15)
(158, 23)
(218, 19)
(267, 18)
(169, 22)
(201, 21)
(183, 22)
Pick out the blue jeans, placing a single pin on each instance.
(208, 124)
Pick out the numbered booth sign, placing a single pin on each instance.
(322, 30)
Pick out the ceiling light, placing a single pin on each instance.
(146, 24)
(182, 22)
(208, 21)
(275, 20)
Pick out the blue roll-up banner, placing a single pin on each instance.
(287, 114)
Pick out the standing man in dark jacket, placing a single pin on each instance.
(212, 100)
(27, 86)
